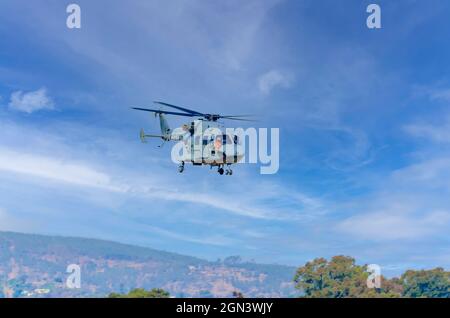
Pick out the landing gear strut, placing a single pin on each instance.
(181, 167)
(228, 172)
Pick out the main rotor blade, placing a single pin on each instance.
(181, 108)
(237, 116)
(163, 112)
(241, 119)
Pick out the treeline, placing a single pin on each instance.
(341, 277)
(142, 293)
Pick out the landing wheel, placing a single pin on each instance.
(229, 172)
(220, 171)
(181, 168)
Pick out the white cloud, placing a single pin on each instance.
(54, 169)
(272, 79)
(217, 240)
(411, 204)
(429, 173)
(49, 157)
(233, 43)
(31, 101)
(395, 224)
(442, 94)
(440, 134)
(82, 174)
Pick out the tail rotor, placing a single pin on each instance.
(142, 136)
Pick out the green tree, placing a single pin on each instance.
(338, 278)
(142, 293)
(433, 283)
(238, 294)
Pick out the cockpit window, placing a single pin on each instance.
(226, 139)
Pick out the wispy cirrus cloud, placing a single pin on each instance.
(436, 92)
(409, 204)
(440, 94)
(53, 160)
(396, 223)
(433, 132)
(54, 169)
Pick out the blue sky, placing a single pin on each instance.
(363, 116)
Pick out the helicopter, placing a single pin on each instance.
(203, 141)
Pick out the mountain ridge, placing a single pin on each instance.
(34, 265)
